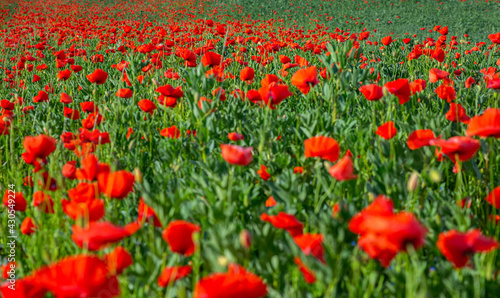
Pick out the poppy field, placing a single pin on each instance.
(249, 149)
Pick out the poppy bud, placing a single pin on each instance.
(371, 196)
(222, 260)
(138, 175)
(155, 82)
(245, 239)
(435, 176)
(94, 92)
(412, 182)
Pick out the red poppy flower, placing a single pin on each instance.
(179, 236)
(147, 106)
(90, 168)
(83, 192)
(28, 227)
(118, 260)
(88, 107)
(116, 184)
(39, 147)
(284, 59)
(263, 173)
(130, 131)
(91, 210)
(43, 202)
(387, 130)
(219, 93)
(298, 170)
(237, 282)
(72, 114)
(305, 78)
(284, 221)
(273, 94)
(381, 206)
(8, 267)
(323, 147)
(485, 125)
(169, 95)
(124, 93)
(146, 213)
(457, 113)
(384, 234)
(462, 147)
(92, 120)
(47, 182)
(400, 88)
(447, 92)
(494, 197)
(41, 97)
(469, 82)
(493, 84)
(211, 59)
(14, 201)
(63, 75)
(420, 138)
(234, 136)
(458, 247)
(269, 79)
(386, 41)
(437, 74)
(236, 155)
(78, 276)
(301, 61)
(247, 74)
(76, 68)
(188, 56)
(170, 275)
(343, 169)
(99, 77)
(438, 54)
(372, 91)
(311, 244)
(98, 235)
(65, 98)
(494, 37)
(5, 104)
(270, 202)
(171, 132)
(444, 30)
(60, 63)
(306, 272)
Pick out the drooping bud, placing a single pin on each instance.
(245, 239)
(412, 182)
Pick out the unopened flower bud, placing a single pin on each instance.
(155, 82)
(138, 175)
(412, 182)
(222, 260)
(435, 176)
(245, 239)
